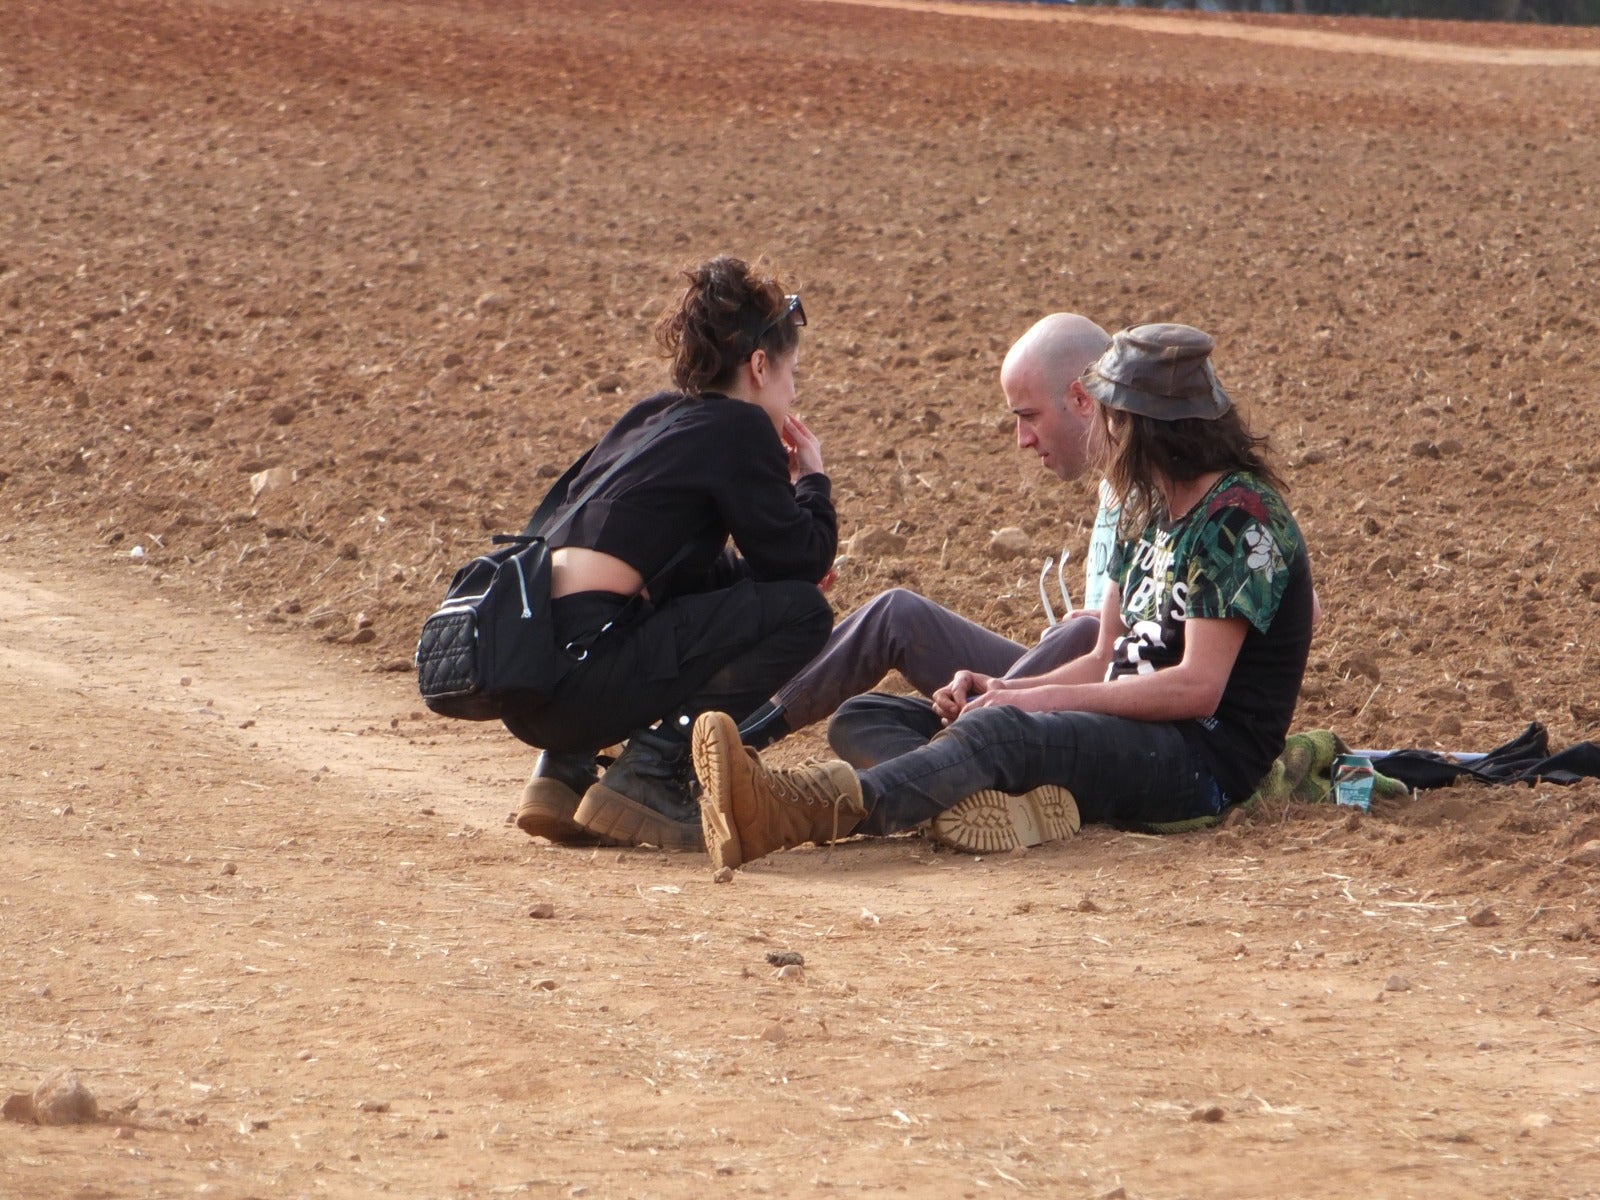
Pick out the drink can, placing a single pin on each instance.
(1352, 781)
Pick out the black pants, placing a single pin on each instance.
(724, 651)
(913, 767)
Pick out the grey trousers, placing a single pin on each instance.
(899, 630)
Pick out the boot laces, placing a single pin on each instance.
(805, 784)
(808, 784)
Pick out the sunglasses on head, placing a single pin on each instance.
(793, 310)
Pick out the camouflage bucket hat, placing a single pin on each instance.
(1159, 371)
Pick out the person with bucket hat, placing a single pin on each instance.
(1178, 712)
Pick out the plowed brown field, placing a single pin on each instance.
(410, 254)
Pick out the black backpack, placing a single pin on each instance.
(492, 640)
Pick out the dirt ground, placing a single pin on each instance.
(399, 262)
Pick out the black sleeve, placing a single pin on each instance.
(783, 530)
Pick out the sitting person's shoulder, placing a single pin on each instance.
(1248, 493)
(1247, 517)
(1242, 499)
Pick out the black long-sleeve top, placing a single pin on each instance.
(719, 470)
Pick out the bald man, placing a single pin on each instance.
(899, 630)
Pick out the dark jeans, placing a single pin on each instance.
(723, 651)
(899, 630)
(1116, 769)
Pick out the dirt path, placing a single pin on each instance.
(1267, 35)
(261, 907)
(411, 255)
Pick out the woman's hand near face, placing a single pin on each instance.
(805, 451)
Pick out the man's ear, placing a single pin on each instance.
(1079, 400)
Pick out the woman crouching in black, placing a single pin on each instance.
(665, 620)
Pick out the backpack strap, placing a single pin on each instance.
(557, 494)
(554, 498)
(579, 647)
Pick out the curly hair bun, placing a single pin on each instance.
(727, 312)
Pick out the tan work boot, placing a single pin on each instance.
(989, 822)
(749, 810)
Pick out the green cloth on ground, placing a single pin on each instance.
(1302, 774)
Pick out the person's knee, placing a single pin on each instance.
(857, 729)
(1072, 639)
(908, 627)
(860, 711)
(901, 605)
(881, 615)
(807, 612)
(848, 739)
(544, 732)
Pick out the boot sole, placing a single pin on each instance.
(718, 754)
(991, 822)
(548, 810)
(609, 814)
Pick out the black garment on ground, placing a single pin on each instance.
(1526, 758)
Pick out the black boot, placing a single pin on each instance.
(768, 724)
(645, 797)
(552, 798)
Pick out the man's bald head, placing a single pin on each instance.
(1040, 380)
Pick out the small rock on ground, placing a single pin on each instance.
(62, 1099)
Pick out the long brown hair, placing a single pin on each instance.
(728, 312)
(1146, 450)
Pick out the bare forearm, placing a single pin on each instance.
(1171, 695)
(1088, 668)
(1091, 667)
